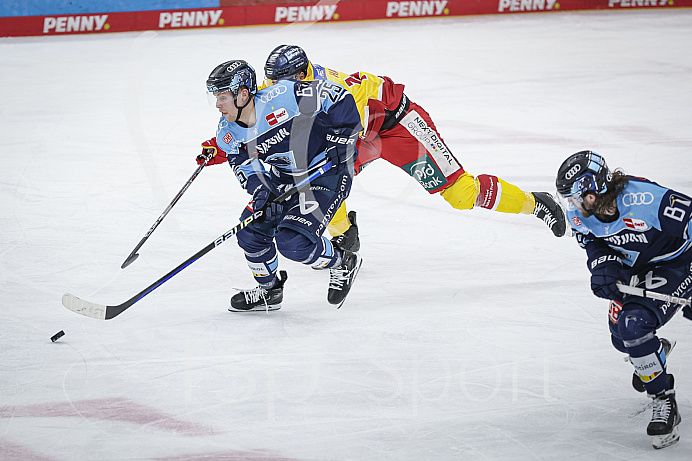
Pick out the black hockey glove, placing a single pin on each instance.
(605, 273)
(263, 199)
(340, 148)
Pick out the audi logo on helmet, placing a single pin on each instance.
(234, 65)
(573, 171)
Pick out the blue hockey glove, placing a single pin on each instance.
(605, 273)
(340, 147)
(263, 199)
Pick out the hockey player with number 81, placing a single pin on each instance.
(635, 233)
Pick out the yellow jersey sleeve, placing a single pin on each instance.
(361, 85)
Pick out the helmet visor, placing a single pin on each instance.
(220, 97)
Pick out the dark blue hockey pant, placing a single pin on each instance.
(633, 325)
(297, 233)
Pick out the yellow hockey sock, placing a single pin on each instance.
(515, 200)
(488, 192)
(462, 194)
(340, 222)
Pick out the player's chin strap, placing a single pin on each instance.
(240, 110)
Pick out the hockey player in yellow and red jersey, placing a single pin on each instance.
(401, 132)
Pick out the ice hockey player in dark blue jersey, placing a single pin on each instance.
(637, 233)
(273, 139)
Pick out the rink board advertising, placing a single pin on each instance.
(61, 17)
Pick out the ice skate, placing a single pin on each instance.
(349, 240)
(260, 299)
(341, 278)
(663, 427)
(550, 212)
(638, 384)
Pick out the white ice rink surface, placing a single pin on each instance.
(468, 335)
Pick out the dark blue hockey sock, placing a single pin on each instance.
(637, 328)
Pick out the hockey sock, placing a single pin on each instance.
(651, 367)
(263, 266)
(340, 222)
(498, 195)
(489, 192)
(462, 194)
(324, 256)
(637, 328)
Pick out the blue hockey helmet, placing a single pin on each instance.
(285, 61)
(583, 172)
(231, 76)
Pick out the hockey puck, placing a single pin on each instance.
(57, 336)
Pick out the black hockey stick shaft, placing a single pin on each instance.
(105, 312)
(133, 255)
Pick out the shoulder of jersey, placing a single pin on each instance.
(283, 90)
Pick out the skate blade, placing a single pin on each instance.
(273, 307)
(662, 441)
(353, 280)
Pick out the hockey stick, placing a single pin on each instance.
(642, 293)
(133, 255)
(104, 312)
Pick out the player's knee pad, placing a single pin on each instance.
(636, 325)
(463, 193)
(637, 328)
(294, 245)
(251, 241)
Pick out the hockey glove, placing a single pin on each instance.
(211, 151)
(263, 199)
(605, 273)
(340, 147)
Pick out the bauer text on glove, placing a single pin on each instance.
(605, 274)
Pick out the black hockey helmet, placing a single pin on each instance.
(583, 172)
(285, 61)
(231, 76)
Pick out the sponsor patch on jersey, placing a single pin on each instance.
(636, 224)
(227, 138)
(277, 116)
(637, 198)
(576, 221)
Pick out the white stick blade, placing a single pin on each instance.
(86, 308)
